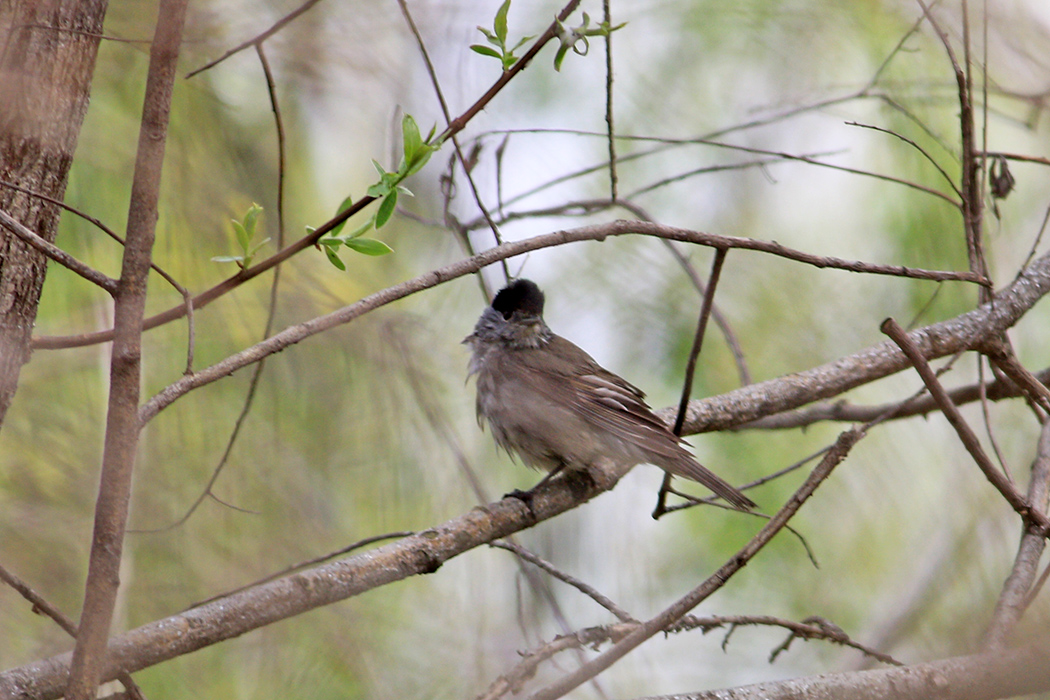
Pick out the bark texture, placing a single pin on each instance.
(47, 57)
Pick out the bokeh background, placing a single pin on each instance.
(353, 433)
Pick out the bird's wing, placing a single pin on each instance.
(613, 405)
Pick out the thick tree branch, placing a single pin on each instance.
(1038, 274)
(979, 677)
(964, 332)
(262, 605)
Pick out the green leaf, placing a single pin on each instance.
(421, 158)
(485, 50)
(369, 246)
(386, 209)
(347, 203)
(362, 229)
(405, 191)
(500, 25)
(227, 258)
(250, 218)
(524, 40)
(560, 56)
(410, 137)
(243, 239)
(333, 243)
(379, 168)
(380, 189)
(257, 246)
(333, 258)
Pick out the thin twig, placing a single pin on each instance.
(683, 605)
(917, 147)
(585, 588)
(719, 318)
(690, 368)
(295, 334)
(258, 39)
(231, 283)
(55, 253)
(965, 433)
(971, 199)
(986, 418)
(497, 236)
(613, 178)
(42, 606)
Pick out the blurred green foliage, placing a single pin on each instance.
(342, 443)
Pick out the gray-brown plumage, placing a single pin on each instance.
(552, 404)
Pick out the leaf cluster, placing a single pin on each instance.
(497, 37)
(244, 232)
(417, 152)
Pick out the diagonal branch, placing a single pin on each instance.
(966, 434)
(231, 283)
(234, 615)
(670, 615)
(967, 331)
(258, 39)
(295, 334)
(55, 253)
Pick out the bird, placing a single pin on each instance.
(546, 400)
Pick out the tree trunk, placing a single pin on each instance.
(47, 57)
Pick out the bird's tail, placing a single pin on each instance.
(684, 465)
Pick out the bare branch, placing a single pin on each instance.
(585, 588)
(300, 332)
(258, 39)
(966, 434)
(300, 592)
(683, 605)
(1014, 597)
(55, 253)
(122, 425)
(918, 406)
(980, 677)
(967, 331)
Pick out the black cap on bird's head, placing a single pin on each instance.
(521, 295)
